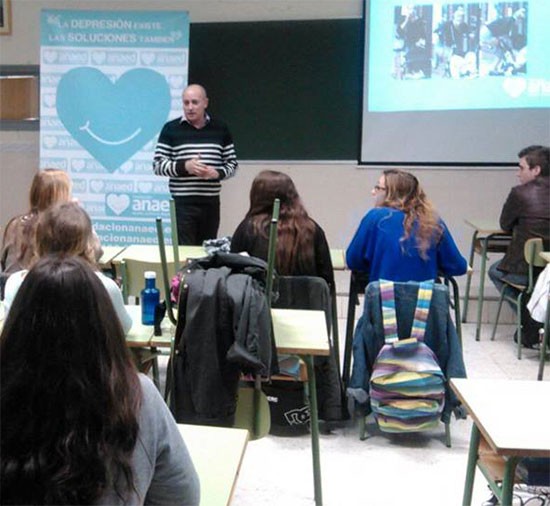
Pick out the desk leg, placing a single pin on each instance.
(469, 278)
(484, 245)
(508, 480)
(335, 332)
(156, 374)
(350, 323)
(471, 468)
(314, 421)
(257, 400)
(456, 301)
(544, 342)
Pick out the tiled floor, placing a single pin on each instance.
(383, 470)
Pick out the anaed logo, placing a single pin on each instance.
(118, 203)
(514, 86)
(112, 120)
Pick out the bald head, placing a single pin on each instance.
(195, 103)
(196, 88)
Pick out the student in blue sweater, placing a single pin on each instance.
(403, 238)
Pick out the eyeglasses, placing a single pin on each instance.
(379, 188)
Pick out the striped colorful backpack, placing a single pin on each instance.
(407, 386)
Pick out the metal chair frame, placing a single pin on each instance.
(515, 293)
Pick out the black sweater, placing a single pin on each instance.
(180, 141)
(244, 239)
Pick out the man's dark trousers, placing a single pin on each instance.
(197, 219)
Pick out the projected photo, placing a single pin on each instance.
(503, 39)
(456, 41)
(460, 40)
(413, 42)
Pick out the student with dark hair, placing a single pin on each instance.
(526, 214)
(66, 229)
(302, 248)
(79, 425)
(403, 238)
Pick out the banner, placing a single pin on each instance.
(109, 80)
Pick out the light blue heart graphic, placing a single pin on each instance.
(112, 121)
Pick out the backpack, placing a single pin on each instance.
(407, 386)
(288, 408)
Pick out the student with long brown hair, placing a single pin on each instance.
(79, 425)
(302, 248)
(66, 229)
(49, 187)
(403, 238)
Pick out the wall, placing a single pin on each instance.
(22, 46)
(336, 194)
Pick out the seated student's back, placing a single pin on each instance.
(403, 238)
(302, 248)
(92, 430)
(49, 187)
(66, 229)
(301, 251)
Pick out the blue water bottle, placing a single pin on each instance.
(150, 298)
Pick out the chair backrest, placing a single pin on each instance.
(272, 249)
(166, 278)
(304, 292)
(133, 276)
(313, 293)
(174, 231)
(532, 250)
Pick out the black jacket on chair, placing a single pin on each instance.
(224, 328)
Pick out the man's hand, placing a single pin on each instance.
(209, 173)
(199, 169)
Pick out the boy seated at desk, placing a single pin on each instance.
(526, 214)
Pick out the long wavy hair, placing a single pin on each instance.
(403, 192)
(295, 229)
(48, 187)
(70, 394)
(65, 229)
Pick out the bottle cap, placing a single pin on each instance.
(150, 275)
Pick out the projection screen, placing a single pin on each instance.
(454, 83)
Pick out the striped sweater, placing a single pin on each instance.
(180, 141)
